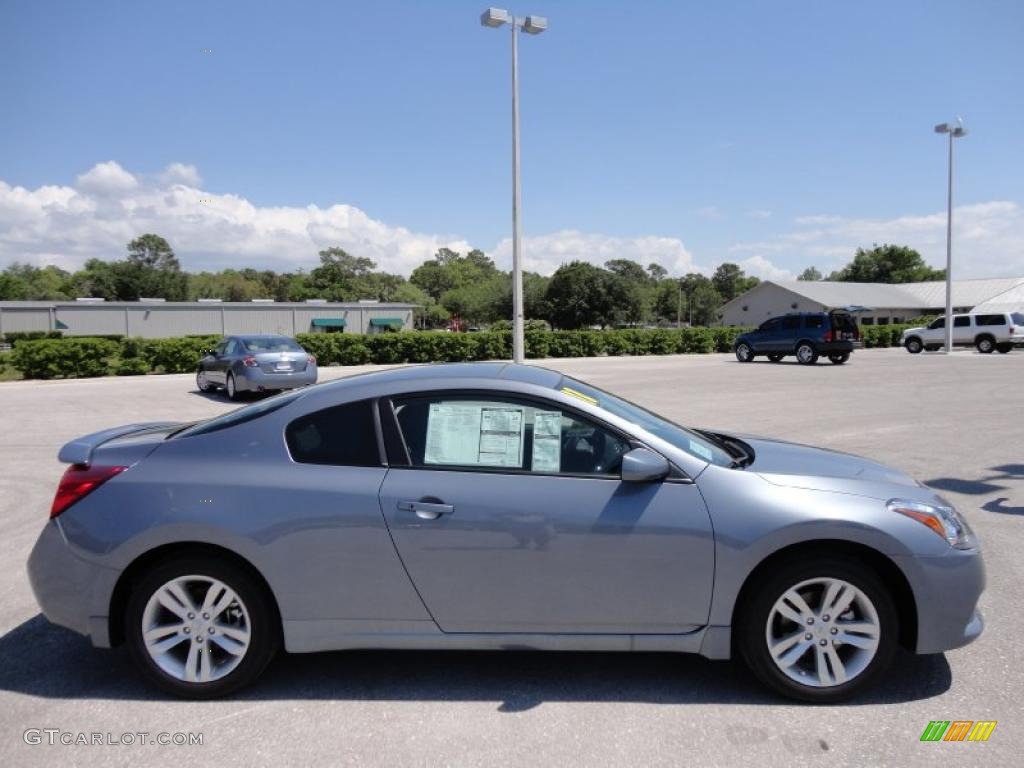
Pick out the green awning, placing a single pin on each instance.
(59, 325)
(328, 322)
(387, 322)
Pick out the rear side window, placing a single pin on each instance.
(771, 325)
(814, 321)
(791, 323)
(343, 436)
(990, 319)
(962, 321)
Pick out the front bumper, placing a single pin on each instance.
(256, 380)
(66, 586)
(946, 590)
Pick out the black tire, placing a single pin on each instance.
(265, 628)
(806, 354)
(201, 383)
(231, 389)
(838, 358)
(985, 344)
(775, 356)
(914, 345)
(752, 622)
(933, 348)
(744, 352)
(1003, 348)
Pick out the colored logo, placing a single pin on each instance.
(958, 730)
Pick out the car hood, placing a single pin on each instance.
(914, 330)
(802, 466)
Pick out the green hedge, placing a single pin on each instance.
(14, 337)
(71, 358)
(78, 356)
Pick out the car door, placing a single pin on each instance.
(510, 516)
(215, 363)
(784, 340)
(963, 330)
(763, 338)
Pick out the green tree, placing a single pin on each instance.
(701, 300)
(887, 264)
(151, 269)
(730, 281)
(657, 272)
(577, 296)
(810, 274)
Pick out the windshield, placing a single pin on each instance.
(1018, 318)
(684, 439)
(271, 344)
(239, 415)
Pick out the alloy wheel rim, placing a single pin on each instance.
(822, 632)
(231, 386)
(805, 353)
(196, 629)
(986, 345)
(201, 379)
(744, 351)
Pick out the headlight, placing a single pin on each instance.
(945, 521)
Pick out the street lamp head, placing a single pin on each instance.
(958, 128)
(495, 17)
(942, 128)
(534, 25)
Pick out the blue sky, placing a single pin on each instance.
(775, 134)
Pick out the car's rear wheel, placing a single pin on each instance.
(775, 356)
(806, 354)
(985, 344)
(914, 345)
(1003, 348)
(838, 358)
(231, 388)
(200, 629)
(202, 382)
(819, 630)
(744, 352)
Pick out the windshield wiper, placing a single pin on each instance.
(741, 455)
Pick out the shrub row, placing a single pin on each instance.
(96, 356)
(14, 337)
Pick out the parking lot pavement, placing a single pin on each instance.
(954, 422)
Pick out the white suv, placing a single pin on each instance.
(999, 331)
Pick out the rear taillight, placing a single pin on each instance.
(79, 481)
(828, 335)
(311, 359)
(249, 362)
(1013, 329)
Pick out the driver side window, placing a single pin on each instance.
(505, 435)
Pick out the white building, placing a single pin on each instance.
(884, 302)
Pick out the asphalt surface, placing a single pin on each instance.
(956, 423)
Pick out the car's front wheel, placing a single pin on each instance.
(820, 630)
(806, 354)
(199, 628)
(985, 344)
(914, 345)
(744, 352)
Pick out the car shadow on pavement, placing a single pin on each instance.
(50, 662)
(985, 485)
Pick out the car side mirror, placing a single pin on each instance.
(642, 465)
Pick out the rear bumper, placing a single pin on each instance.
(831, 347)
(66, 586)
(946, 590)
(256, 380)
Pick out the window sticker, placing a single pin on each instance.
(501, 437)
(547, 441)
(453, 434)
(701, 450)
(579, 395)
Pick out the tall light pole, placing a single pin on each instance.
(955, 131)
(534, 25)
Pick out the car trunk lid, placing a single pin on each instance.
(121, 445)
(282, 362)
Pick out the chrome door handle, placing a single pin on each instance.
(426, 510)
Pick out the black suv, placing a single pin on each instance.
(806, 335)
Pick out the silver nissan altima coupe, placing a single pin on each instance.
(488, 506)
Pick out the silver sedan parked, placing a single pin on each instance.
(255, 363)
(492, 506)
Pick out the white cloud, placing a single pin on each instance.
(545, 253)
(179, 173)
(759, 213)
(107, 179)
(109, 206)
(988, 239)
(759, 266)
(709, 212)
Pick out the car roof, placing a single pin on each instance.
(528, 374)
